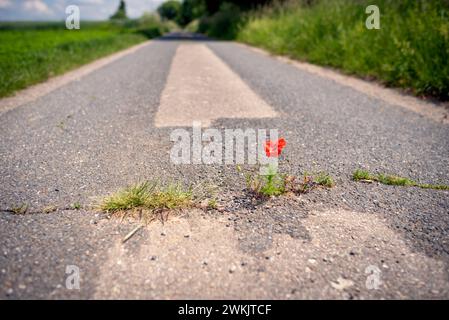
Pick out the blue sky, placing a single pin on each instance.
(55, 9)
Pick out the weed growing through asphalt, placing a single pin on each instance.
(279, 184)
(272, 183)
(61, 125)
(149, 196)
(152, 200)
(49, 209)
(323, 179)
(313, 180)
(275, 184)
(76, 206)
(212, 203)
(20, 209)
(366, 176)
(360, 175)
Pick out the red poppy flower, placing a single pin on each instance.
(274, 149)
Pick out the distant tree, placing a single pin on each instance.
(170, 10)
(121, 11)
(191, 10)
(213, 6)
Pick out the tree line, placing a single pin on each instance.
(188, 10)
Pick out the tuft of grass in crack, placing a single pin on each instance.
(313, 180)
(324, 179)
(360, 174)
(76, 206)
(212, 203)
(396, 181)
(148, 199)
(434, 186)
(61, 125)
(266, 185)
(279, 184)
(393, 180)
(49, 209)
(20, 209)
(148, 195)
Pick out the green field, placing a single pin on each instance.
(33, 52)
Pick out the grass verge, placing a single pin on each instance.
(410, 50)
(34, 51)
(366, 176)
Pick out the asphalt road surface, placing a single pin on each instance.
(112, 128)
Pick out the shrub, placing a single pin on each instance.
(223, 24)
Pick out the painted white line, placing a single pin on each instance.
(391, 96)
(38, 90)
(201, 87)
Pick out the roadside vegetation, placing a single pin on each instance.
(410, 50)
(31, 52)
(366, 176)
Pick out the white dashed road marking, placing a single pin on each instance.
(201, 87)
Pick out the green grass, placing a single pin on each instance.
(76, 206)
(411, 50)
(311, 181)
(269, 185)
(275, 184)
(148, 198)
(272, 185)
(360, 174)
(324, 179)
(393, 180)
(212, 204)
(33, 52)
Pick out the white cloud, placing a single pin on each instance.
(37, 6)
(5, 4)
(136, 8)
(89, 2)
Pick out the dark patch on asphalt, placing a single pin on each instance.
(258, 221)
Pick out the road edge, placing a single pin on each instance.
(391, 96)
